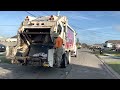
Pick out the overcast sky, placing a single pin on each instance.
(91, 26)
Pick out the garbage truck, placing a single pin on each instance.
(35, 41)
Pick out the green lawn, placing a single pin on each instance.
(115, 66)
(101, 54)
(118, 54)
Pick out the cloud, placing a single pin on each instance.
(98, 28)
(107, 13)
(77, 15)
(115, 13)
(100, 15)
(112, 13)
(82, 17)
(117, 27)
(1, 37)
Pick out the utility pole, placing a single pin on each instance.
(58, 13)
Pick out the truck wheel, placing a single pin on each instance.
(76, 54)
(64, 61)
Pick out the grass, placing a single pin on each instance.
(107, 52)
(117, 54)
(115, 65)
(102, 54)
(98, 53)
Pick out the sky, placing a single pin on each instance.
(91, 26)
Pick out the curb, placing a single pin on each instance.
(109, 69)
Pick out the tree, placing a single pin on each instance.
(77, 42)
(84, 45)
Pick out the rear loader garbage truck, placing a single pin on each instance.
(35, 41)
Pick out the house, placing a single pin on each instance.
(12, 39)
(2, 39)
(97, 45)
(112, 43)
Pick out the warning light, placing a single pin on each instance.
(51, 17)
(27, 18)
(42, 23)
(37, 24)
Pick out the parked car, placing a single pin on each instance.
(79, 47)
(2, 48)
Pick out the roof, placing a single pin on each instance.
(97, 44)
(14, 36)
(113, 41)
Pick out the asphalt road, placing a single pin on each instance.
(85, 66)
(88, 66)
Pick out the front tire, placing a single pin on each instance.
(76, 54)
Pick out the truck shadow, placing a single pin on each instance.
(73, 71)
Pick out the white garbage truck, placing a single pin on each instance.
(35, 41)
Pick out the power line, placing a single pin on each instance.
(82, 28)
(34, 13)
(104, 34)
(77, 27)
(30, 13)
(41, 15)
(45, 13)
(9, 25)
(98, 32)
